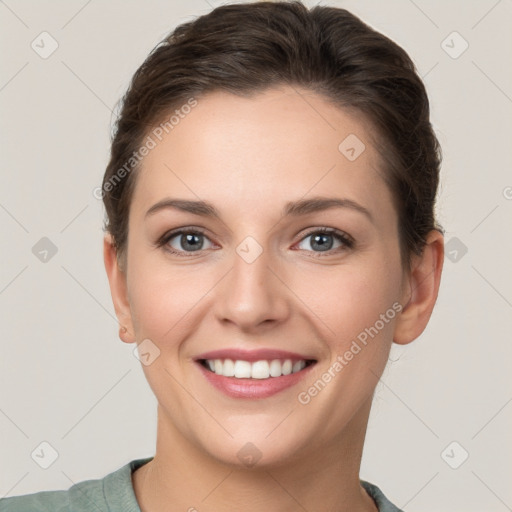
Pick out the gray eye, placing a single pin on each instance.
(320, 241)
(188, 241)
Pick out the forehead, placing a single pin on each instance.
(244, 154)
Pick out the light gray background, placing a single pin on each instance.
(67, 379)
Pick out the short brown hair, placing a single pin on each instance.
(246, 48)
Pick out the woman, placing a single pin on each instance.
(270, 232)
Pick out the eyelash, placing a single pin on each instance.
(347, 241)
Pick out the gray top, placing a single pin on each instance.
(114, 493)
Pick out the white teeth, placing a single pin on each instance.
(242, 369)
(260, 370)
(275, 368)
(287, 367)
(228, 368)
(297, 367)
(257, 370)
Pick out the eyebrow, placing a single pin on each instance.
(292, 208)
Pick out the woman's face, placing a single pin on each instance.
(255, 278)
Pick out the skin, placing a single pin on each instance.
(248, 157)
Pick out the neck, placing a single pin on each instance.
(182, 477)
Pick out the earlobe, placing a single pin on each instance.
(422, 290)
(118, 289)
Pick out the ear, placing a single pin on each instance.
(420, 290)
(118, 289)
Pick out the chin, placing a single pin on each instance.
(253, 455)
(261, 445)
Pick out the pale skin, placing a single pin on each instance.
(248, 157)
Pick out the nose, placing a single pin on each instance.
(253, 295)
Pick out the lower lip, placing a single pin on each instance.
(254, 388)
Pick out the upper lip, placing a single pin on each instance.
(253, 355)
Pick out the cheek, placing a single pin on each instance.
(356, 303)
(160, 296)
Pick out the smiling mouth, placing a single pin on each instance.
(263, 369)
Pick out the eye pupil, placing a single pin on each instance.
(320, 239)
(189, 238)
